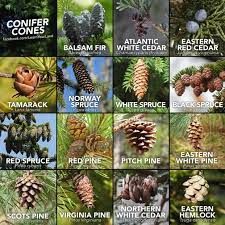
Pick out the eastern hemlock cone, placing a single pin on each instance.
(60, 79)
(210, 85)
(185, 78)
(96, 142)
(77, 128)
(179, 87)
(218, 84)
(77, 149)
(28, 188)
(84, 189)
(83, 77)
(140, 79)
(196, 188)
(222, 75)
(195, 134)
(207, 73)
(141, 135)
(197, 91)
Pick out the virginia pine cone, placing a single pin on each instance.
(179, 87)
(218, 84)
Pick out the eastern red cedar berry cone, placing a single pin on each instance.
(179, 87)
(207, 73)
(77, 128)
(84, 189)
(197, 91)
(218, 84)
(28, 188)
(140, 79)
(96, 142)
(77, 149)
(185, 78)
(222, 75)
(210, 85)
(82, 76)
(195, 134)
(141, 135)
(60, 79)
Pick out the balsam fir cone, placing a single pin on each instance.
(140, 79)
(60, 79)
(84, 189)
(83, 77)
(196, 188)
(28, 188)
(141, 135)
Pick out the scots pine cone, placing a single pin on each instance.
(179, 87)
(77, 149)
(207, 73)
(84, 189)
(185, 78)
(59, 79)
(218, 84)
(82, 76)
(222, 75)
(28, 188)
(96, 142)
(140, 79)
(196, 188)
(141, 135)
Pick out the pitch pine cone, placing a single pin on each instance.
(218, 84)
(185, 78)
(60, 79)
(83, 77)
(28, 188)
(179, 87)
(77, 149)
(84, 189)
(141, 135)
(195, 134)
(207, 73)
(196, 79)
(222, 75)
(197, 91)
(210, 85)
(140, 79)
(77, 128)
(196, 188)
(96, 142)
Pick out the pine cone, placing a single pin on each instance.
(82, 76)
(185, 78)
(77, 128)
(60, 79)
(195, 134)
(84, 189)
(210, 85)
(179, 87)
(141, 135)
(28, 188)
(197, 91)
(196, 79)
(222, 75)
(218, 84)
(196, 188)
(96, 142)
(77, 149)
(140, 79)
(207, 73)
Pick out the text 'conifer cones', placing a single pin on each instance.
(141, 135)
(196, 188)
(140, 79)
(82, 76)
(84, 189)
(28, 188)
(195, 134)
(59, 79)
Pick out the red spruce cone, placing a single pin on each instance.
(185, 78)
(218, 84)
(179, 87)
(222, 75)
(197, 91)
(207, 73)
(84, 189)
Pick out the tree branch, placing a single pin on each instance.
(6, 75)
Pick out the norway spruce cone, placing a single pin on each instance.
(196, 188)
(77, 149)
(218, 84)
(140, 79)
(77, 128)
(84, 189)
(83, 77)
(28, 188)
(141, 135)
(96, 142)
(60, 79)
(179, 87)
(207, 73)
(195, 134)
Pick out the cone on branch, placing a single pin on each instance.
(84, 189)
(210, 85)
(207, 73)
(222, 75)
(28, 188)
(185, 78)
(179, 87)
(196, 79)
(96, 142)
(140, 79)
(218, 84)
(77, 149)
(82, 76)
(60, 79)
(196, 188)
(141, 135)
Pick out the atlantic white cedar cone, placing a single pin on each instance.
(195, 134)
(82, 76)
(96, 142)
(141, 135)
(77, 149)
(140, 79)
(196, 188)
(84, 189)
(28, 188)
(60, 79)
(179, 87)
(77, 128)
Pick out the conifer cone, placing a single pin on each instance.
(77, 128)
(84, 189)
(28, 188)
(210, 85)
(222, 75)
(141, 135)
(185, 78)
(179, 87)
(203, 87)
(218, 84)
(196, 188)
(96, 142)
(197, 91)
(195, 134)
(196, 79)
(60, 79)
(140, 79)
(207, 73)
(83, 77)
(77, 149)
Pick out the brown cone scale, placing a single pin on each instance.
(77, 149)
(96, 142)
(179, 87)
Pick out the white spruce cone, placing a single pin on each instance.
(140, 79)
(196, 188)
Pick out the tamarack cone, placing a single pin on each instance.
(26, 81)
(140, 79)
